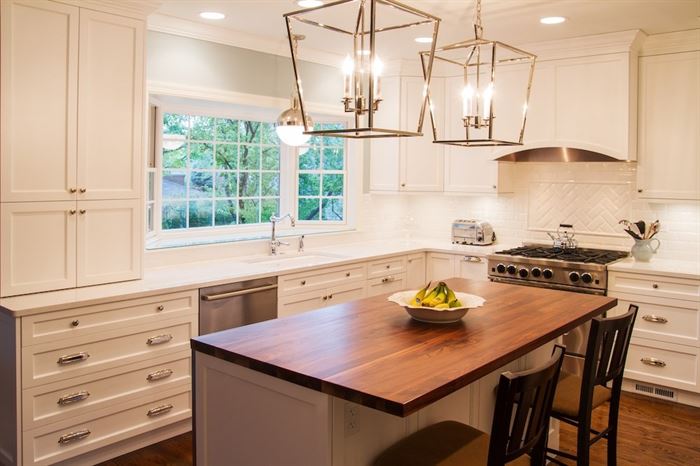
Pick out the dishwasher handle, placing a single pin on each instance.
(232, 294)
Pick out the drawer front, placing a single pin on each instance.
(388, 284)
(50, 444)
(345, 293)
(56, 402)
(673, 365)
(654, 285)
(321, 278)
(667, 320)
(384, 267)
(56, 326)
(300, 302)
(46, 363)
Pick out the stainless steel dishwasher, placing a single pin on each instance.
(237, 304)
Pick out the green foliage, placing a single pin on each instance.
(249, 157)
(201, 184)
(201, 155)
(175, 158)
(249, 184)
(249, 131)
(174, 124)
(311, 160)
(333, 158)
(225, 213)
(270, 184)
(227, 130)
(174, 215)
(174, 184)
(309, 209)
(200, 214)
(332, 209)
(226, 156)
(333, 185)
(271, 158)
(226, 184)
(309, 184)
(249, 211)
(202, 128)
(270, 207)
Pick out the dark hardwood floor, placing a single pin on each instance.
(652, 432)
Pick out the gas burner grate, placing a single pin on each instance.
(587, 256)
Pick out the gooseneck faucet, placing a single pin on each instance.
(274, 242)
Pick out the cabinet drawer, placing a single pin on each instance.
(670, 320)
(673, 365)
(321, 278)
(654, 285)
(384, 267)
(58, 401)
(53, 443)
(388, 284)
(54, 326)
(48, 363)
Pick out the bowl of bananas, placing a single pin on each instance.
(439, 305)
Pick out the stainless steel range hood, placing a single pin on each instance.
(556, 154)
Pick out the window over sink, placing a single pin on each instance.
(218, 176)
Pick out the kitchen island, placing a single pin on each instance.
(296, 391)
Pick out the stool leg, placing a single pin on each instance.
(583, 443)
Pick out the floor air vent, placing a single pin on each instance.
(658, 392)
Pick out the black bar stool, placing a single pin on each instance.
(520, 427)
(577, 396)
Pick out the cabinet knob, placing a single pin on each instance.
(73, 190)
(330, 296)
(388, 266)
(303, 282)
(347, 274)
(82, 211)
(655, 285)
(403, 185)
(325, 298)
(83, 190)
(494, 186)
(75, 323)
(640, 190)
(72, 211)
(160, 307)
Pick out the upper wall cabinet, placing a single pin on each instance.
(669, 126)
(73, 90)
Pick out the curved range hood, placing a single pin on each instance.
(556, 154)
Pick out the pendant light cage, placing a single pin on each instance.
(487, 87)
(369, 34)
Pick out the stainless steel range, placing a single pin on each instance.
(574, 269)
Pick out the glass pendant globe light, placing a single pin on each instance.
(290, 126)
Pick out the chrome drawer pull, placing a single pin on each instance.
(73, 436)
(73, 398)
(471, 259)
(387, 279)
(657, 319)
(72, 358)
(159, 339)
(159, 410)
(653, 362)
(158, 375)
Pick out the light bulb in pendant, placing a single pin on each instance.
(467, 100)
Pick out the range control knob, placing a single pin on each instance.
(536, 272)
(547, 273)
(574, 276)
(500, 268)
(523, 273)
(586, 277)
(511, 269)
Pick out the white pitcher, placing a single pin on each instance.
(643, 249)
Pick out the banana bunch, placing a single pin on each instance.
(440, 297)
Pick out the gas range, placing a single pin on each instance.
(575, 269)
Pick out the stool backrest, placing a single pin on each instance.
(608, 341)
(523, 406)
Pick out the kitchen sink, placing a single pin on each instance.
(295, 259)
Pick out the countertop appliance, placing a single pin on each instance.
(474, 232)
(572, 269)
(237, 304)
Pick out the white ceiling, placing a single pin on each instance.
(511, 21)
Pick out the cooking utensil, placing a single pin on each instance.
(641, 226)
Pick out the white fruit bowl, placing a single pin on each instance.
(437, 316)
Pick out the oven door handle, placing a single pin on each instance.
(233, 294)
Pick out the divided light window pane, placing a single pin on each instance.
(218, 172)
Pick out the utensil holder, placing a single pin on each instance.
(643, 249)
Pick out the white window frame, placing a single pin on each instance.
(289, 177)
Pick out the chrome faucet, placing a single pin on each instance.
(274, 242)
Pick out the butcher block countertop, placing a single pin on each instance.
(371, 352)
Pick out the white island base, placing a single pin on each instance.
(247, 418)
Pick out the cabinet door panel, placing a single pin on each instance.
(110, 106)
(300, 303)
(440, 266)
(421, 160)
(384, 152)
(669, 139)
(415, 271)
(38, 111)
(345, 293)
(471, 267)
(109, 241)
(37, 245)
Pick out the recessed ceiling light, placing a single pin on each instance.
(423, 40)
(309, 3)
(212, 15)
(552, 20)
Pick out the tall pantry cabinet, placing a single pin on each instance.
(71, 130)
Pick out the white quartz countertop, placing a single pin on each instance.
(194, 275)
(670, 268)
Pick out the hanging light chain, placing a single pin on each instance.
(478, 28)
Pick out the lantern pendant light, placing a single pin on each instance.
(290, 125)
(351, 28)
(471, 68)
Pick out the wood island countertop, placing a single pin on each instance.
(371, 352)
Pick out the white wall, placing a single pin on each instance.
(597, 195)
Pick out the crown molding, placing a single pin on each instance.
(194, 30)
(132, 8)
(584, 46)
(672, 42)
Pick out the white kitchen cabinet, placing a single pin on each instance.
(38, 111)
(110, 106)
(410, 163)
(320, 298)
(415, 271)
(440, 266)
(471, 267)
(384, 285)
(109, 241)
(669, 139)
(38, 246)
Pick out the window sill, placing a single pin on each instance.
(166, 242)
